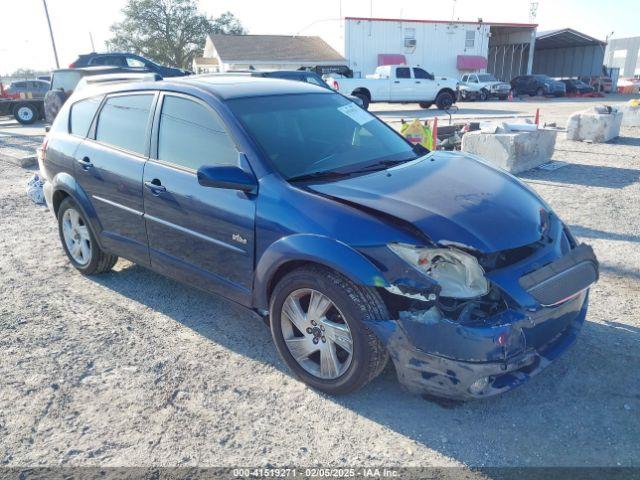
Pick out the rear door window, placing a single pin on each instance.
(82, 114)
(192, 135)
(123, 122)
(403, 73)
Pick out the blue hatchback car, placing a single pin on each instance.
(353, 244)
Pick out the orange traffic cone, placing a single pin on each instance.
(435, 133)
(537, 121)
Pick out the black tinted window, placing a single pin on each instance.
(420, 73)
(123, 122)
(192, 136)
(403, 73)
(82, 114)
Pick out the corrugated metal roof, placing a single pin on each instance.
(564, 37)
(274, 48)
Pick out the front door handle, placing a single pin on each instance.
(155, 186)
(417, 81)
(396, 81)
(85, 163)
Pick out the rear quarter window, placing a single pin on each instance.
(82, 114)
(123, 120)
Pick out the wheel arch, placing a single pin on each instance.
(449, 91)
(363, 91)
(65, 186)
(295, 251)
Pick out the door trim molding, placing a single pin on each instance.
(117, 205)
(195, 234)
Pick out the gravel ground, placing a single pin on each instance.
(133, 369)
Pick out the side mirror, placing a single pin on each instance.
(229, 177)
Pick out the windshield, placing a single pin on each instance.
(487, 78)
(318, 133)
(543, 78)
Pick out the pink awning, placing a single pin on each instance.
(471, 62)
(391, 59)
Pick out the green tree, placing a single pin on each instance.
(170, 32)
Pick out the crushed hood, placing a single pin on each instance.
(452, 198)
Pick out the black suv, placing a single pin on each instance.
(126, 60)
(540, 85)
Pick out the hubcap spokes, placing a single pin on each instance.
(76, 236)
(316, 334)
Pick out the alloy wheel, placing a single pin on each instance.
(316, 334)
(76, 236)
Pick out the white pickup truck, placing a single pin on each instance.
(399, 83)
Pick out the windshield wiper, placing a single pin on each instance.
(327, 174)
(381, 165)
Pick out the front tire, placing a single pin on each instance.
(79, 243)
(425, 105)
(364, 99)
(484, 95)
(444, 100)
(317, 323)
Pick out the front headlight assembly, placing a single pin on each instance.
(458, 273)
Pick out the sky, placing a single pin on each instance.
(27, 44)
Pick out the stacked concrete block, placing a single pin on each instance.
(513, 151)
(597, 125)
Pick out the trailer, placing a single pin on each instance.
(25, 107)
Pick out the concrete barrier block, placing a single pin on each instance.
(630, 116)
(592, 126)
(513, 151)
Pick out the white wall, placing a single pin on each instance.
(438, 44)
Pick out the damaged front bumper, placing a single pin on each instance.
(547, 299)
(427, 354)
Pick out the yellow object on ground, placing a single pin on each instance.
(416, 133)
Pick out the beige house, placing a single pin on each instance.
(275, 52)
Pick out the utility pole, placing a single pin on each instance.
(93, 47)
(53, 42)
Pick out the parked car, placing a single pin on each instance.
(126, 60)
(24, 100)
(295, 75)
(402, 84)
(540, 85)
(484, 85)
(27, 89)
(573, 85)
(599, 83)
(64, 81)
(354, 244)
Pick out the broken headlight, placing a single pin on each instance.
(458, 273)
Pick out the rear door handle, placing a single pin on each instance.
(155, 186)
(85, 163)
(418, 82)
(396, 81)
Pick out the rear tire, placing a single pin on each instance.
(444, 100)
(540, 92)
(354, 305)
(79, 243)
(26, 113)
(484, 95)
(425, 105)
(364, 99)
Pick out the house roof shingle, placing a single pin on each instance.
(276, 48)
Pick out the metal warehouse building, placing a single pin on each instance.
(443, 47)
(568, 53)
